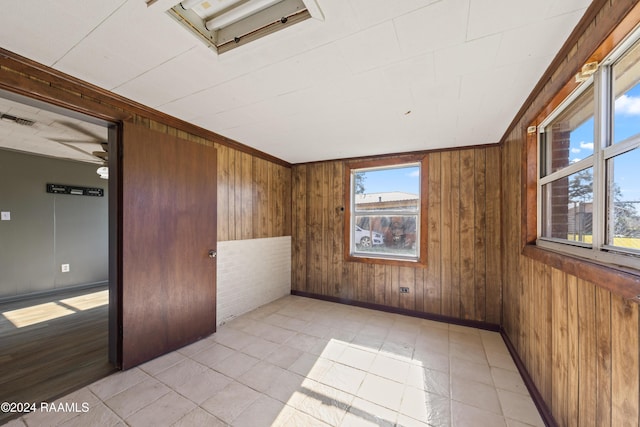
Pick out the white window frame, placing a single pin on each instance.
(603, 150)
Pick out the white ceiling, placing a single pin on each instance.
(374, 77)
(51, 134)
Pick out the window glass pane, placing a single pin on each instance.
(626, 86)
(394, 236)
(567, 207)
(569, 137)
(387, 189)
(624, 200)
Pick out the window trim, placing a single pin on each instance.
(619, 280)
(603, 150)
(380, 162)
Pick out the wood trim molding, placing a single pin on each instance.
(543, 409)
(424, 202)
(32, 79)
(618, 280)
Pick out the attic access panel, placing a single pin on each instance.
(226, 24)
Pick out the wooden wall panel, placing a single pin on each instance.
(463, 265)
(577, 340)
(254, 198)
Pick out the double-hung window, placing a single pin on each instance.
(589, 165)
(385, 216)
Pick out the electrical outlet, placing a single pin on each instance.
(65, 268)
(6, 216)
(404, 290)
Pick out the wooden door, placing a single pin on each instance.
(168, 289)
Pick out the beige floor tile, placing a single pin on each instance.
(381, 391)
(233, 338)
(162, 363)
(303, 362)
(228, 403)
(118, 382)
(284, 386)
(261, 376)
(356, 358)
(431, 359)
(133, 399)
(98, 415)
(466, 369)
(284, 356)
(263, 412)
(519, 407)
(196, 347)
(236, 365)
(199, 417)
(193, 380)
(291, 417)
(307, 343)
(343, 378)
(260, 348)
(393, 369)
(464, 416)
(476, 394)
(325, 403)
(163, 412)
(363, 413)
(507, 379)
(213, 355)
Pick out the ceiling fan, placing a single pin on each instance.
(102, 156)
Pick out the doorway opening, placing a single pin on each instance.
(58, 282)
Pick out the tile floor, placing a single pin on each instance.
(304, 362)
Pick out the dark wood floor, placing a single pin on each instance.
(43, 356)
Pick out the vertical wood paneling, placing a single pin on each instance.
(467, 284)
(493, 204)
(624, 362)
(446, 217)
(299, 227)
(432, 280)
(479, 232)
(560, 347)
(455, 281)
(586, 353)
(603, 354)
(455, 235)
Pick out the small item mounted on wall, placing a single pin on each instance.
(75, 190)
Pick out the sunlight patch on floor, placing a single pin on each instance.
(39, 313)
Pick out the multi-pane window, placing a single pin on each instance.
(589, 161)
(385, 209)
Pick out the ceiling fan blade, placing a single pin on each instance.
(79, 129)
(101, 155)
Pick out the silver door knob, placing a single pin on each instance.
(212, 253)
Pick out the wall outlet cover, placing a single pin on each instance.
(5, 216)
(65, 268)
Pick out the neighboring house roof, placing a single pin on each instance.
(391, 196)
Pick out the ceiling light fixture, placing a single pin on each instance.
(228, 24)
(237, 13)
(103, 171)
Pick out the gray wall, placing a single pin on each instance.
(47, 230)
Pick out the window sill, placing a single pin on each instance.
(420, 263)
(621, 281)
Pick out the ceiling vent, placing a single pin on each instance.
(226, 24)
(18, 120)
